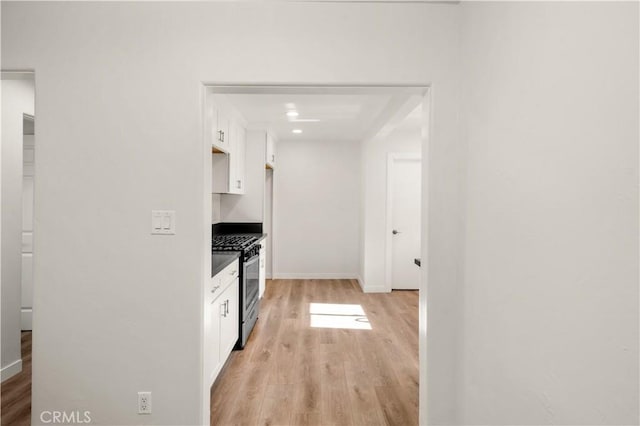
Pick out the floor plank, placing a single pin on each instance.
(16, 391)
(299, 375)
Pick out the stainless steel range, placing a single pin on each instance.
(249, 304)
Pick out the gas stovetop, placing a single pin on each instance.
(234, 242)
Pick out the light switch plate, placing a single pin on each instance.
(163, 222)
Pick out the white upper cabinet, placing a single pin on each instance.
(237, 159)
(222, 138)
(270, 157)
(216, 125)
(228, 141)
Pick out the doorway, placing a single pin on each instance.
(396, 108)
(18, 108)
(403, 221)
(17, 176)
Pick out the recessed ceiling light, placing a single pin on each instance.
(296, 131)
(292, 113)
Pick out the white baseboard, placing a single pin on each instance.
(314, 276)
(26, 316)
(11, 370)
(376, 289)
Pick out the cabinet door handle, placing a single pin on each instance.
(233, 272)
(222, 137)
(273, 158)
(226, 304)
(239, 184)
(219, 135)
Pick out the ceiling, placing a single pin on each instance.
(320, 116)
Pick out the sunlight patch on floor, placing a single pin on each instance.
(334, 315)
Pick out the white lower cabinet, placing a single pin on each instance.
(229, 321)
(220, 326)
(211, 352)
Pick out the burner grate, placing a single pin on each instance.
(232, 242)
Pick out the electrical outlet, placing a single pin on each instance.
(144, 402)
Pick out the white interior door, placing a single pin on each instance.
(405, 183)
(26, 311)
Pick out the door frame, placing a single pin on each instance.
(392, 159)
(26, 314)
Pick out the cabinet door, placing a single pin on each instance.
(211, 122)
(212, 361)
(221, 135)
(237, 159)
(270, 159)
(229, 319)
(234, 185)
(240, 156)
(263, 267)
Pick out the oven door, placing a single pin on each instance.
(251, 283)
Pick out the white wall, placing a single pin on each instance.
(216, 213)
(551, 265)
(119, 133)
(17, 99)
(405, 138)
(317, 208)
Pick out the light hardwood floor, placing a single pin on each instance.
(16, 391)
(293, 374)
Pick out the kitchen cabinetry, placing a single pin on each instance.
(238, 159)
(228, 307)
(220, 320)
(262, 276)
(217, 126)
(228, 169)
(270, 157)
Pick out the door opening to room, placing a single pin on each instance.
(18, 174)
(307, 166)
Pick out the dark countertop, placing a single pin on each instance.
(222, 259)
(417, 262)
